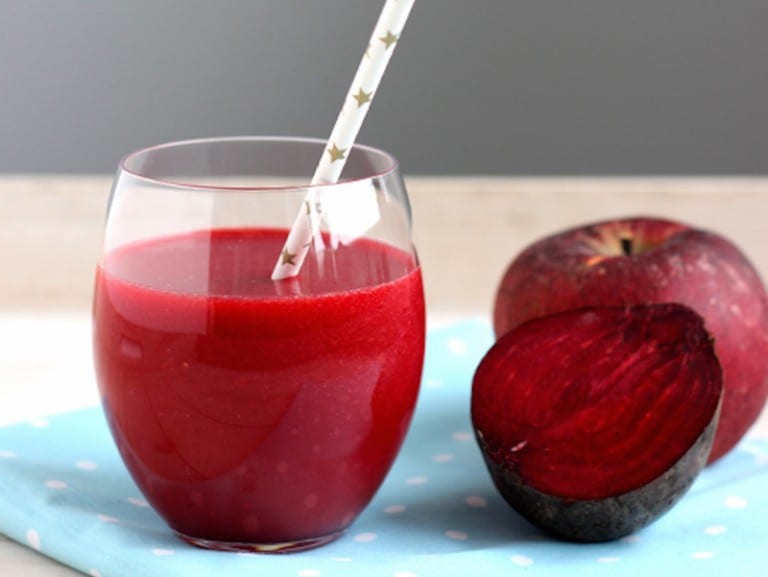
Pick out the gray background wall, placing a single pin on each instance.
(476, 86)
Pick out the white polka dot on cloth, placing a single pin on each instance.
(462, 436)
(159, 552)
(33, 539)
(137, 502)
(444, 458)
(735, 502)
(433, 383)
(457, 346)
(107, 518)
(56, 484)
(631, 539)
(608, 559)
(476, 501)
(456, 535)
(394, 509)
(366, 537)
(7, 455)
(418, 480)
(759, 453)
(716, 530)
(86, 465)
(521, 560)
(703, 555)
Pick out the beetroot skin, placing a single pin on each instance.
(594, 422)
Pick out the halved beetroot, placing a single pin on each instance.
(595, 421)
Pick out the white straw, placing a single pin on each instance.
(305, 228)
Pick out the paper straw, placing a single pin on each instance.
(305, 228)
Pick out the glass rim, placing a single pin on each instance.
(393, 164)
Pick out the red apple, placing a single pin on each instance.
(651, 260)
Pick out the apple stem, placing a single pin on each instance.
(626, 246)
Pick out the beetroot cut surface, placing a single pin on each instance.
(612, 406)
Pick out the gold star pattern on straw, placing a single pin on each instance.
(336, 153)
(288, 257)
(389, 39)
(308, 207)
(362, 97)
(381, 44)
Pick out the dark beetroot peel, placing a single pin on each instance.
(594, 422)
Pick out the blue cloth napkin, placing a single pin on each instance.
(65, 493)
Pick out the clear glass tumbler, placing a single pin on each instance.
(256, 414)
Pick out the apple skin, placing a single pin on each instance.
(645, 259)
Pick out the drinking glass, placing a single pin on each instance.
(256, 414)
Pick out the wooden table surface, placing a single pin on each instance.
(466, 230)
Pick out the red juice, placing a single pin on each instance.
(253, 411)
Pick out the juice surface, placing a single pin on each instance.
(249, 410)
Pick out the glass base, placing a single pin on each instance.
(247, 547)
